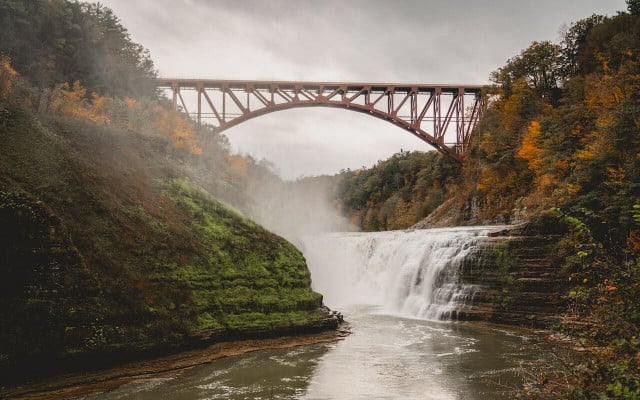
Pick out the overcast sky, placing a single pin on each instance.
(446, 41)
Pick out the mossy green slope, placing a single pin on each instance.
(109, 249)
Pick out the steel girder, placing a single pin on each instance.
(430, 112)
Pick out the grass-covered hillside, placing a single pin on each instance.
(108, 247)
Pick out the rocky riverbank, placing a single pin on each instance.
(519, 282)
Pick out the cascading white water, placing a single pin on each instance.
(409, 273)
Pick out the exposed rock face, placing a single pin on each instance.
(519, 282)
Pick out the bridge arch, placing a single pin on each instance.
(427, 111)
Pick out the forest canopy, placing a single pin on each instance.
(57, 41)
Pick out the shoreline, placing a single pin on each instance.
(69, 386)
(80, 384)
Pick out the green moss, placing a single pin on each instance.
(145, 258)
(509, 288)
(207, 322)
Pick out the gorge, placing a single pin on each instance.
(134, 231)
(400, 291)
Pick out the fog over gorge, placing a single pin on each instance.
(320, 199)
(298, 209)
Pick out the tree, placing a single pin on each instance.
(56, 41)
(633, 6)
(572, 42)
(538, 67)
(530, 148)
(7, 74)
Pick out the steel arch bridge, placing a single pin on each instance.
(430, 112)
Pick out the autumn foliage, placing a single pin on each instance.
(147, 116)
(560, 141)
(398, 192)
(7, 74)
(562, 137)
(56, 41)
(72, 100)
(179, 128)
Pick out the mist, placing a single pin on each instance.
(297, 209)
(291, 209)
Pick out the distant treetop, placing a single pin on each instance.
(56, 41)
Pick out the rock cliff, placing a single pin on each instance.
(519, 281)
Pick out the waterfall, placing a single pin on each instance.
(414, 274)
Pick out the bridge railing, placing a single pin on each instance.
(430, 112)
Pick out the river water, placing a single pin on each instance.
(399, 291)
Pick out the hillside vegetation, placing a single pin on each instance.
(395, 193)
(58, 41)
(559, 145)
(562, 140)
(110, 246)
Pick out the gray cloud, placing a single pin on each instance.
(362, 40)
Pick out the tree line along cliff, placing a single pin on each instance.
(558, 146)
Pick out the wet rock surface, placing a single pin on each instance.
(518, 281)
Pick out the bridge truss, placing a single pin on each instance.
(430, 112)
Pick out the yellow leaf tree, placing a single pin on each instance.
(7, 74)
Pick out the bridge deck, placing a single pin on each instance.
(425, 110)
(194, 83)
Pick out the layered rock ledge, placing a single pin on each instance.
(517, 280)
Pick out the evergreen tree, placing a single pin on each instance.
(58, 41)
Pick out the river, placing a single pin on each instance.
(399, 291)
